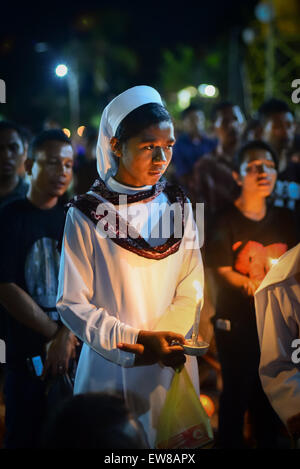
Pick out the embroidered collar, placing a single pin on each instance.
(119, 234)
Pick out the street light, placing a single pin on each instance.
(62, 71)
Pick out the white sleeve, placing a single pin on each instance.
(179, 316)
(278, 327)
(90, 322)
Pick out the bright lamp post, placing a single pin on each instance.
(62, 71)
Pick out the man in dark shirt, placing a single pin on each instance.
(12, 157)
(30, 231)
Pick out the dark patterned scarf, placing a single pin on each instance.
(88, 203)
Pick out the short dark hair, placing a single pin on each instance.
(253, 145)
(272, 106)
(90, 421)
(141, 118)
(220, 107)
(10, 125)
(46, 136)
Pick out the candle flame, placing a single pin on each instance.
(199, 290)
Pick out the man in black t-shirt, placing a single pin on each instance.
(30, 231)
(247, 239)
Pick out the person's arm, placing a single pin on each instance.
(26, 311)
(92, 323)
(61, 342)
(237, 280)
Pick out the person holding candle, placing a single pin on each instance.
(126, 293)
(247, 239)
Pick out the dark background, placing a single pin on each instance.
(116, 45)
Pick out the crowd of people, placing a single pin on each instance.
(247, 174)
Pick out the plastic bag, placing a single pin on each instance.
(183, 422)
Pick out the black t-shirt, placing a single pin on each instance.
(30, 259)
(249, 247)
(19, 192)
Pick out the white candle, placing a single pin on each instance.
(199, 296)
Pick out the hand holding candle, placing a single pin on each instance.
(192, 346)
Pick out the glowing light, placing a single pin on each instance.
(208, 91)
(80, 130)
(67, 132)
(199, 291)
(61, 70)
(274, 261)
(208, 404)
(184, 98)
(192, 90)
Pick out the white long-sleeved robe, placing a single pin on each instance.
(277, 303)
(107, 294)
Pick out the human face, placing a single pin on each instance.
(229, 125)
(258, 173)
(194, 123)
(279, 130)
(12, 153)
(52, 169)
(145, 157)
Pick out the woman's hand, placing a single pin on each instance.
(156, 347)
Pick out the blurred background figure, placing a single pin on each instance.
(51, 123)
(13, 147)
(93, 421)
(228, 125)
(278, 128)
(85, 167)
(191, 144)
(253, 130)
(278, 124)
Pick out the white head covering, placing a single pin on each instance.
(112, 115)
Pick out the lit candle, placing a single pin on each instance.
(199, 296)
(273, 261)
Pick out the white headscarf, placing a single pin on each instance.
(112, 115)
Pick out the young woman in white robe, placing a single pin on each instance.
(121, 295)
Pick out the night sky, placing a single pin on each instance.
(146, 28)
